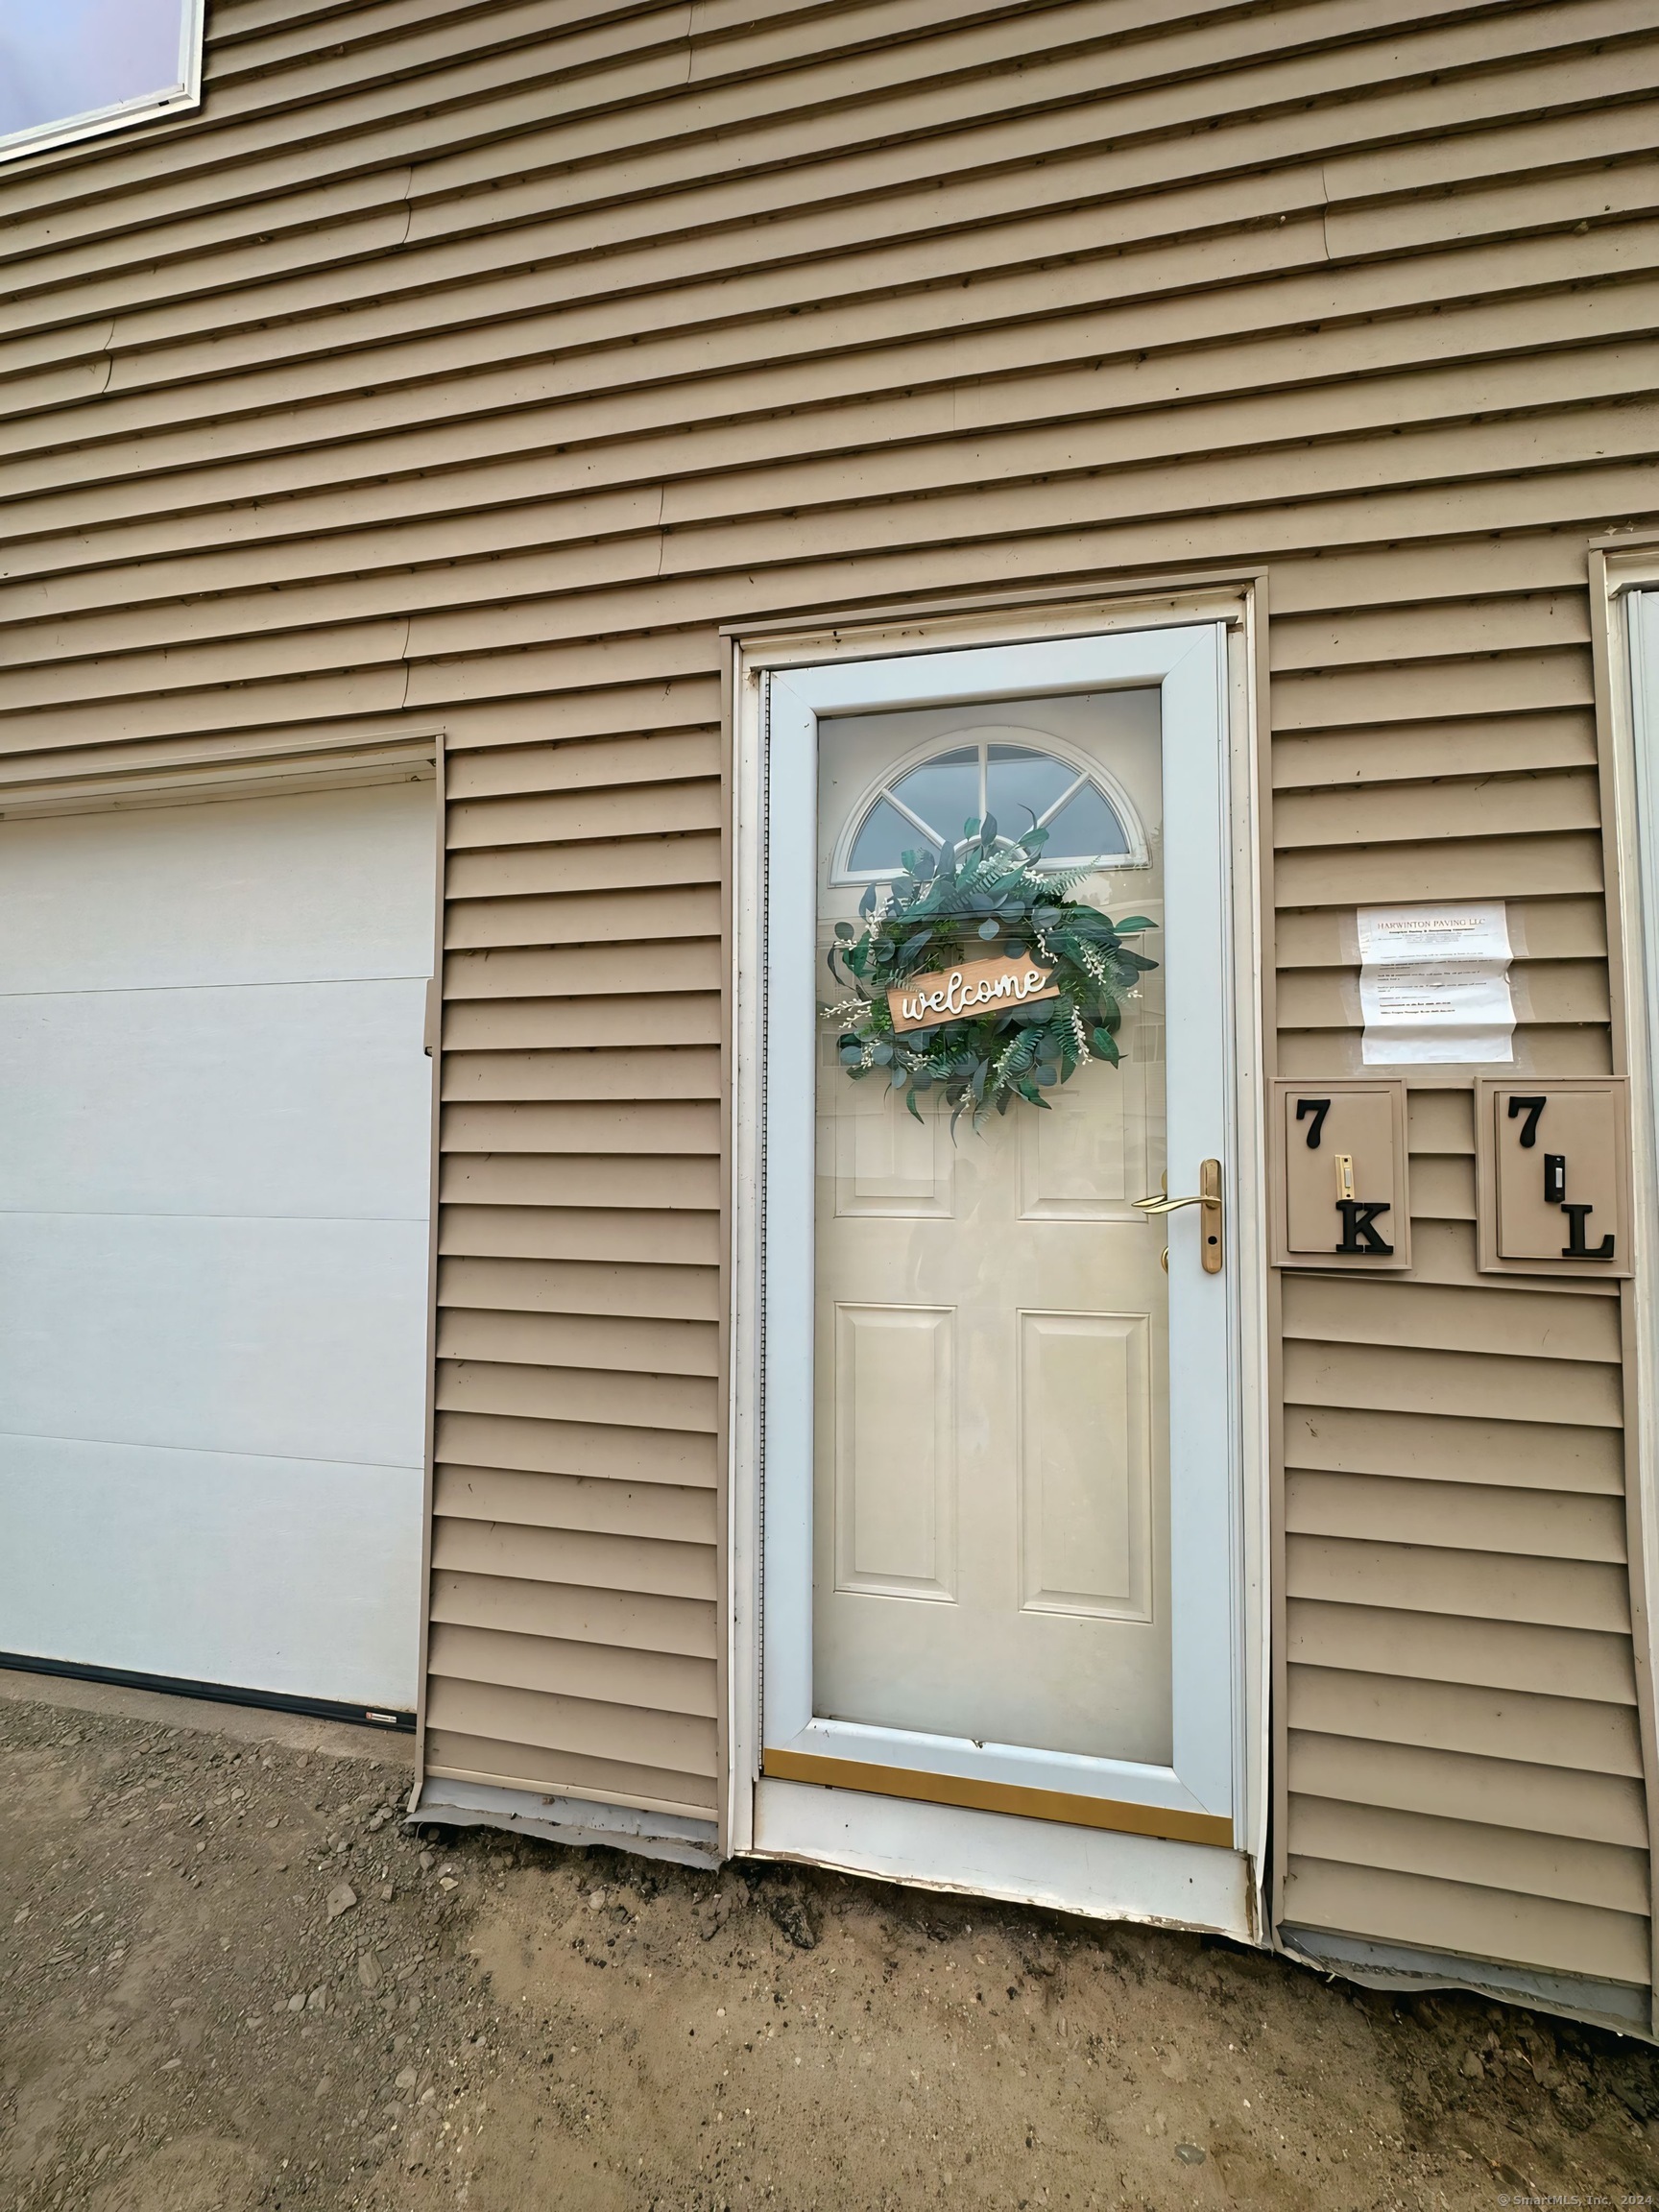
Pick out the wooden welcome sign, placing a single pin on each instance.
(973, 988)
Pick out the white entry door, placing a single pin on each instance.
(1001, 1399)
(992, 1496)
(214, 1144)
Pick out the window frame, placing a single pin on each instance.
(982, 735)
(181, 98)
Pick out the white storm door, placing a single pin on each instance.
(1001, 1443)
(214, 1142)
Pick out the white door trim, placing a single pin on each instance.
(1627, 696)
(1203, 644)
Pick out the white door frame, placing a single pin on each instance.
(1200, 647)
(1624, 596)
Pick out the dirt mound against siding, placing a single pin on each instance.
(230, 1977)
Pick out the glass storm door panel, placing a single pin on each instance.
(1000, 1443)
(991, 1494)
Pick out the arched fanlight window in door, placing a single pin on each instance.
(1022, 779)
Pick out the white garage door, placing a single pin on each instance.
(214, 1144)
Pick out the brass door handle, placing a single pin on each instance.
(1208, 1195)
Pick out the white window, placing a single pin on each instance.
(70, 69)
(937, 798)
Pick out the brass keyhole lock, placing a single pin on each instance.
(1210, 1250)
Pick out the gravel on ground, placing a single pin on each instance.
(232, 1977)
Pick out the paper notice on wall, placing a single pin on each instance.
(1434, 984)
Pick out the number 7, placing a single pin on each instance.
(1532, 1108)
(1319, 1108)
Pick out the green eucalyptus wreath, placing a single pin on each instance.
(983, 898)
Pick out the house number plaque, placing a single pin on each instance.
(1553, 1175)
(1339, 1155)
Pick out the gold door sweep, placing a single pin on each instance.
(980, 1796)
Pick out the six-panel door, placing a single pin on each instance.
(991, 1495)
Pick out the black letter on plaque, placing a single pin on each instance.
(1358, 1233)
(1576, 1247)
(1531, 1108)
(1554, 1178)
(1319, 1108)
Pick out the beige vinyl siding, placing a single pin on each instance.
(1455, 1586)
(471, 365)
(579, 1289)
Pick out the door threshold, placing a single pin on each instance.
(1097, 1873)
(977, 1794)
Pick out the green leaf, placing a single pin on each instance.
(1135, 922)
(990, 929)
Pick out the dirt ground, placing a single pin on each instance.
(229, 1978)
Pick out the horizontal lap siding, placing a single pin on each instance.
(1463, 1756)
(471, 365)
(578, 1336)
